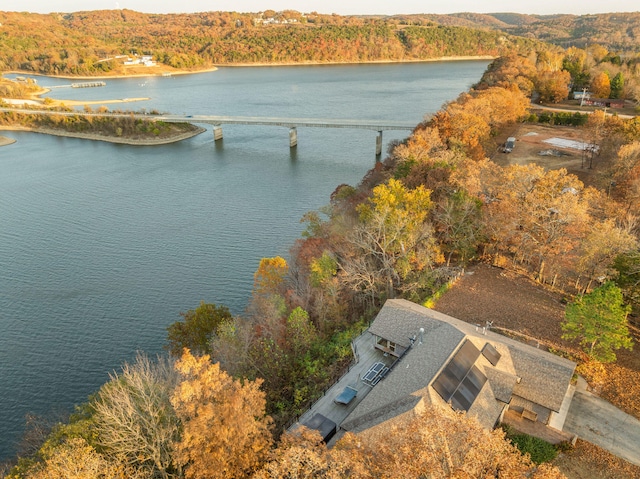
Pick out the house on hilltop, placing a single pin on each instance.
(443, 361)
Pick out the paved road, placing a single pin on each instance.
(611, 112)
(604, 425)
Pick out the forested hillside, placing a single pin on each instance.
(616, 31)
(89, 43)
(97, 42)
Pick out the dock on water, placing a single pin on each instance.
(89, 84)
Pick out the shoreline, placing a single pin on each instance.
(108, 139)
(90, 102)
(107, 77)
(4, 141)
(367, 62)
(217, 66)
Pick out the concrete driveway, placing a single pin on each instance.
(604, 425)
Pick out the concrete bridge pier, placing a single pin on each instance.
(293, 137)
(217, 133)
(379, 143)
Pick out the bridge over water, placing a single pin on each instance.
(292, 124)
(218, 121)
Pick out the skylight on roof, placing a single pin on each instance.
(491, 353)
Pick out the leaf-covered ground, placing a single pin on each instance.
(520, 305)
(587, 461)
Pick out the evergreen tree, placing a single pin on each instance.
(599, 321)
(617, 85)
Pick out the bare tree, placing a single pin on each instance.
(134, 417)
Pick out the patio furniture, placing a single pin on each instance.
(347, 395)
(373, 372)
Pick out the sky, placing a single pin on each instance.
(341, 7)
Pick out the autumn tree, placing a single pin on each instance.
(599, 321)
(534, 216)
(458, 225)
(601, 85)
(549, 60)
(72, 459)
(225, 432)
(197, 329)
(267, 304)
(607, 133)
(437, 443)
(134, 419)
(575, 63)
(604, 242)
(509, 70)
(463, 129)
(625, 172)
(393, 243)
(628, 278)
(270, 276)
(598, 52)
(553, 86)
(303, 455)
(324, 279)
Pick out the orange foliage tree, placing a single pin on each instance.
(436, 443)
(601, 86)
(225, 432)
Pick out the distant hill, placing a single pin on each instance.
(101, 42)
(615, 31)
(104, 42)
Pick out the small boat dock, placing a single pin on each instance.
(89, 84)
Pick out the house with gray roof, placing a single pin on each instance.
(439, 360)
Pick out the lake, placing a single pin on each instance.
(103, 245)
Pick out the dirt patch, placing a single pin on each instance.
(534, 314)
(530, 143)
(509, 301)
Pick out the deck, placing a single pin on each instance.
(535, 428)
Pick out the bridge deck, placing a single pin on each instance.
(377, 125)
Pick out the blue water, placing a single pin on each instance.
(102, 245)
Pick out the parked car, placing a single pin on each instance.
(509, 145)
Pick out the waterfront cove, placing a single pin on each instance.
(103, 245)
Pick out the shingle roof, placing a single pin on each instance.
(544, 377)
(501, 382)
(401, 321)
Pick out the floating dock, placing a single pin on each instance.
(89, 84)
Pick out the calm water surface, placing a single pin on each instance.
(102, 246)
